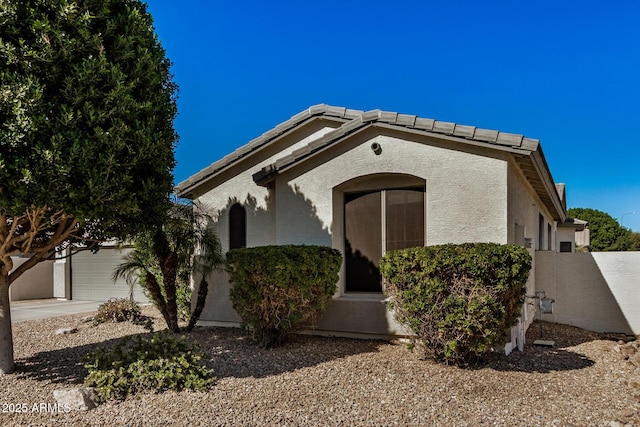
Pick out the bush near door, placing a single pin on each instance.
(278, 290)
(459, 300)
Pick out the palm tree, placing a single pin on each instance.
(184, 246)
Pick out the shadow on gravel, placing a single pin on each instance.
(232, 353)
(538, 360)
(235, 354)
(546, 359)
(63, 366)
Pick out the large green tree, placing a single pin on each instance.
(87, 104)
(605, 232)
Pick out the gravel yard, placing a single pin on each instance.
(333, 381)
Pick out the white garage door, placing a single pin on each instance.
(92, 276)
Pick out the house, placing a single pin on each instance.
(365, 182)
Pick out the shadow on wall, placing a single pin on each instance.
(295, 222)
(596, 291)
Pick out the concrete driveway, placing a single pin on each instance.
(45, 308)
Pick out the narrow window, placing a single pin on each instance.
(540, 244)
(237, 227)
(549, 237)
(519, 235)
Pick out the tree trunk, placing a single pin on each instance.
(203, 289)
(168, 262)
(153, 288)
(169, 267)
(7, 364)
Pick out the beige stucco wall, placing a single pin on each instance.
(598, 291)
(237, 185)
(466, 192)
(35, 283)
(259, 202)
(466, 201)
(524, 208)
(566, 234)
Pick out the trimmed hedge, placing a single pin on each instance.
(459, 300)
(278, 290)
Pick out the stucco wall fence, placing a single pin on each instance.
(598, 291)
(35, 283)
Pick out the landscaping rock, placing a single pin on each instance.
(79, 399)
(334, 382)
(65, 331)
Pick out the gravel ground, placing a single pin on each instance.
(333, 381)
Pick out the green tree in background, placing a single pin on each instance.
(87, 105)
(634, 241)
(605, 231)
(164, 260)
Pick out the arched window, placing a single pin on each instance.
(237, 226)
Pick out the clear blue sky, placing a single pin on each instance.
(565, 72)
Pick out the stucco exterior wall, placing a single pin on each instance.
(466, 201)
(259, 202)
(596, 291)
(466, 192)
(469, 198)
(35, 283)
(522, 219)
(566, 234)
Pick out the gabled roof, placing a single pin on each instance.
(342, 114)
(527, 152)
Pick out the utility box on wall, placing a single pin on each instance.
(546, 305)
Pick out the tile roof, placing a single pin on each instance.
(527, 151)
(469, 134)
(264, 139)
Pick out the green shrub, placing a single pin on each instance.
(459, 300)
(122, 310)
(183, 300)
(163, 361)
(278, 290)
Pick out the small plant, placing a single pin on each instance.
(122, 310)
(278, 290)
(163, 361)
(459, 300)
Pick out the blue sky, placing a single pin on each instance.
(565, 72)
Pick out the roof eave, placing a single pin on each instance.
(189, 187)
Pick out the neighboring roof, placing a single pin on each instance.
(574, 223)
(527, 152)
